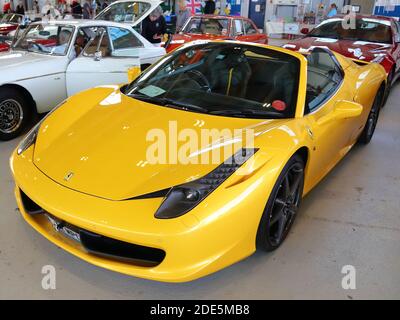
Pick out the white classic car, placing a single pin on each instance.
(53, 60)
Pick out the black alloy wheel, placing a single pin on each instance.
(283, 204)
(373, 117)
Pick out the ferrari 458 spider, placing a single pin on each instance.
(85, 180)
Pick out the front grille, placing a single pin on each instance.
(97, 244)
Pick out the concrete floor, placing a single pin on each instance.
(351, 218)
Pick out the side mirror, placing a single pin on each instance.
(304, 30)
(397, 38)
(97, 56)
(343, 109)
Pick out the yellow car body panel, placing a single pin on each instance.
(106, 156)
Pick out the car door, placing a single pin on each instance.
(251, 34)
(47, 82)
(98, 64)
(325, 86)
(128, 43)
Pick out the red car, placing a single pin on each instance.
(212, 27)
(10, 22)
(374, 39)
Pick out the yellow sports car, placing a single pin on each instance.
(198, 162)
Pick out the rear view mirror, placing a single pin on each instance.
(305, 30)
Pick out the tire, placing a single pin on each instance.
(388, 86)
(15, 113)
(373, 117)
(282, 204)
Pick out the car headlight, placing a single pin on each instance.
(31, 136)
(183, 198)
(29, 139)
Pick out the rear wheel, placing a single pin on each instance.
(373, 116)
(15, 114)
(388, 86)
(282, 206)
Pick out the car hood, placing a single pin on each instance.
(360, 50)
(17, 65)
(100, 147)
(153, 4)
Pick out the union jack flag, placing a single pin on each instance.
(194, 6)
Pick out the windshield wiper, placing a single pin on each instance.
(170, 103)
(247, 113)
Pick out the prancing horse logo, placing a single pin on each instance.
(68, 176)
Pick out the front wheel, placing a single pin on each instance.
(15, 114)
(282, 206)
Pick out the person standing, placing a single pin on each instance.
(94, 8)
(182, 15)
(7, 7)
(209, 8)
(36, 7)
(154, 26)
(332, 11)
(20, 8)
(87, 10)
(49, 12)
(77, 11)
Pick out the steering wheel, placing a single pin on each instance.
(201, 79)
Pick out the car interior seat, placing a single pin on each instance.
(104, 47)
(230, 73)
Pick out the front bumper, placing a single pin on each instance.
(193, 246)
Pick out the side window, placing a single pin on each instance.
(99, 43)
(123, 39)
(323, 78)
(249, 28)
(81, 41)
(238, 27)
(397, 23)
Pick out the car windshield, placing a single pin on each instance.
(228, 79)
(368, 30)
(130, 11)
(46, 39)
(12, 18)
(212, 26)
